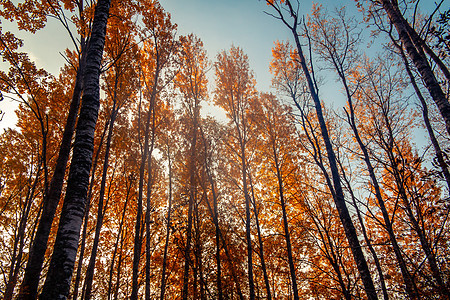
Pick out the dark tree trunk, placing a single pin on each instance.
(419, 59)
(420, 231)
(287, 234)
(100, 210)
(366, 237)
(149, 209)
(28, 289)
(119, 236)
(410, 286)
(437, 148)
(18, 245)
(251, 283)
(219, 236)
(260, 242)
(339, 198)
(57, 283)
(192, 187)
(86, 216)
(168, 226)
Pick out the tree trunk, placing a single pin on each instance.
(410, 286)
(437, 149)
(18, 245)
(145, 156)
(251, 283)
(192, 187)
(86, 216)
(287, 235)
(119, 235)
(100, 209)
(29, 286)
(260, 242)
(149, 209)
(339, 197)
(426, 247)
(367, 239)
(419, 60)
(57, 283)
(219, 236)
(168, 225)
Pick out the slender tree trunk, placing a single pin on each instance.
(219, 235)
(437, 149)
(251, 283)
(116, 244)
(18, 245)
(366, 237)
(198, 251)
(100, 210)
(86, 216)
(339, 198)
(119, 268)
(329, 251)
(192, 187)
(419, 60)
(138, 236)
(149, 209)
(217, 232)
(410, 286)
(57, 283)
(260, 242)
(426, 247)
(215, 216)
(287, 234)
(29, 286)
(336, 187)
(168, 226)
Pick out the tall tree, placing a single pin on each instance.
(339, 197)
(336, 38)
(192, 83)
(417, 50)
(57, 283)
(235, 89)
(159, 47)
(274, 122)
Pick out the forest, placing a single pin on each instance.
(115, 184)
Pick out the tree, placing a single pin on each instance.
(57, 283)
(336, 40)
(234, 92)
(159, 46)
(192, 83)
(338, 194)
(417, 48)
(278, 132)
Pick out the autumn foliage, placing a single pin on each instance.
(286, 197)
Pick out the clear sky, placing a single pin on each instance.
(219, 23)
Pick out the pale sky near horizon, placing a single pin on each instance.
(220, 24)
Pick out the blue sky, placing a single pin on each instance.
(219, 23)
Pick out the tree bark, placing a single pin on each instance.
(86, 216)
(339, 198)
(29, 286)
(168, 225)
(260, 242)
(437, 148)
(287, 234)
(100, 209)
(192, 187)
(419, 60)
(57, 283)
